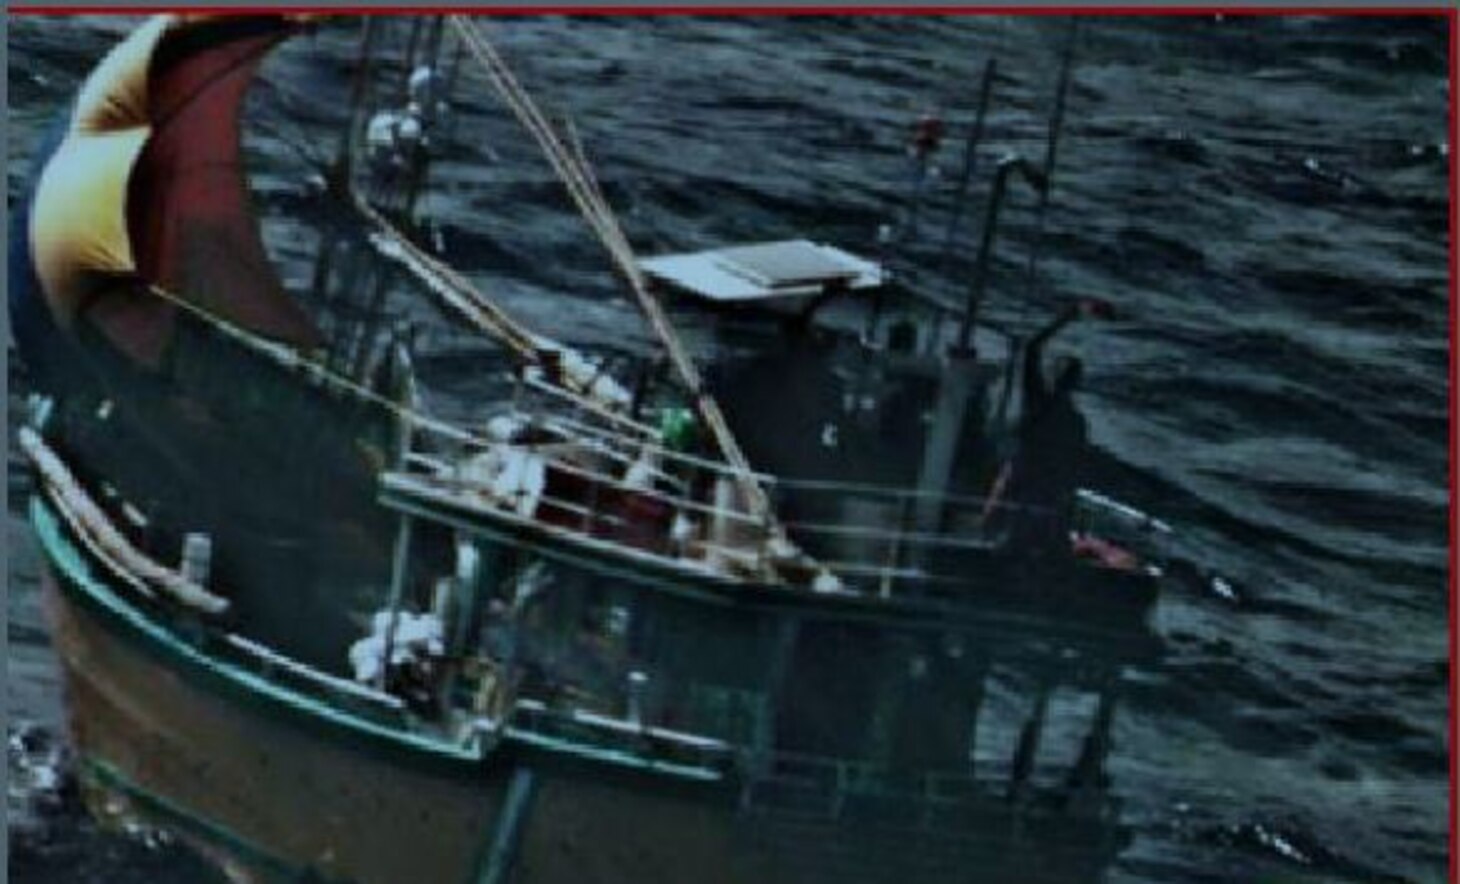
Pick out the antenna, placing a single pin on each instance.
(1056, 125)
(970, 161)
(1007, 166)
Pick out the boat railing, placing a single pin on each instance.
(786, 784)
(876, 539)
(881, 557)
(832, 788)
(888, 541)
(776, 782)
(1103, 516)
(536, 719)
(278, 667)
(572, 415)
(555, 406)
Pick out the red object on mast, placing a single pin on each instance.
(928, 135)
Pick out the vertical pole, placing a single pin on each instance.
(1088, 774)
(340, 303)
(1007, 166)
(344, 157)
(874, 316)
(970, 158)
(479, 567)
(920, 170)
(787, 632)
(981, 264)
(1056, 125)
(370, 325)
(400, 562)
(329, 242)
(433, 50)
(410, 57)
(496, 867)
(1011, 376)
(397, 592)
(956, 388)
(1029, 740)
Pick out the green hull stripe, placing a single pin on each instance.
(614, 756)
(182, 820)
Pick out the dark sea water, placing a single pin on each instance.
(1264, 199)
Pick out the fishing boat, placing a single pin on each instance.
(323, 634)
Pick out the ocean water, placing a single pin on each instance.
(1264, 199)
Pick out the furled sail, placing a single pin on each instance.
(146, 188)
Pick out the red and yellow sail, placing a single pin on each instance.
(147, 188)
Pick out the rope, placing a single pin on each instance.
(458, 294)
(445, 282)
(589, 200)
(292, 360)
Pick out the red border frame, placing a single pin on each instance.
(1454, 141)
(1453, 134)
(810, 9)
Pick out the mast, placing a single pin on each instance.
(1051, 151)
(344, 157)
(970, 158)
(1008, 166)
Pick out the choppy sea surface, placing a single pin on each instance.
(1264, 199)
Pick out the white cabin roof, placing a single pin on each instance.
(763, 271)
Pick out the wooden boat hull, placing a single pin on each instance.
(274, 799)
(277, 785)
(274, 789)
(275, 796)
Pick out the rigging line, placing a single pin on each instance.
(577, 178)
(288, 108)
(1056, 126)
(479, 309)
(581, 157)
(572, 169)
(575, 164)
(359, 92)
(603, 221)
(296, 144)
(511, 91)
(970, 162)
(598, 216)
(290, 358)
(645, 444)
